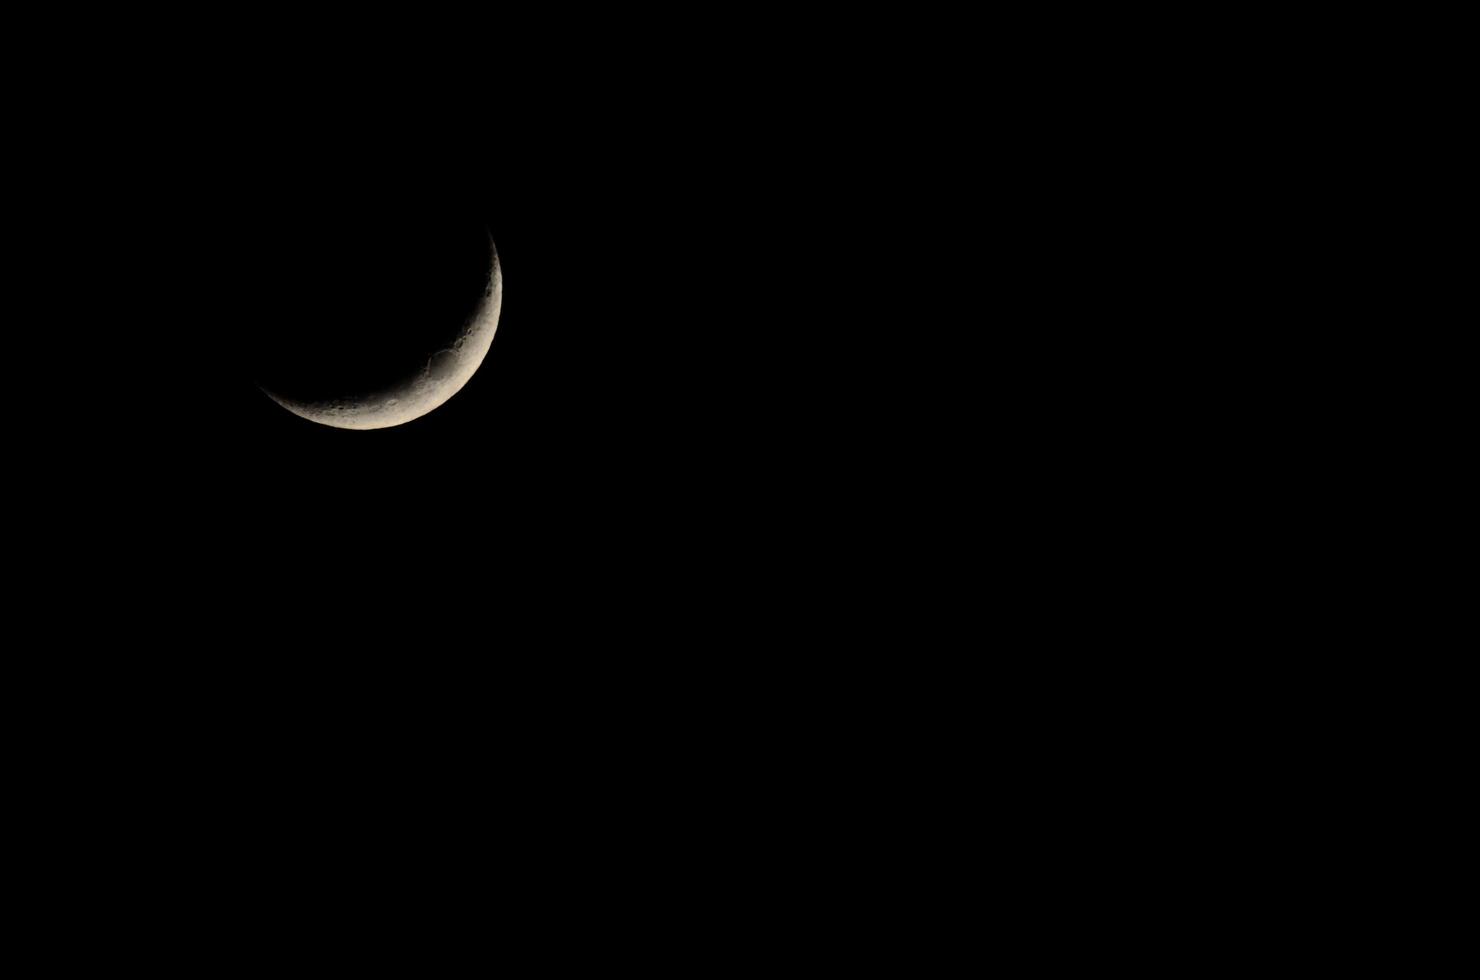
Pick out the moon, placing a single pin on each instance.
(428, 387)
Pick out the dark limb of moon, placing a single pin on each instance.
(426, 385)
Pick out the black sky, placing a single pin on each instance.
(673, 382)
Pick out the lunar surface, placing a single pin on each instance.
(442, 375)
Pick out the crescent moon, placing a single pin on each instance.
(443, 375)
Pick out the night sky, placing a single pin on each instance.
(672, 371)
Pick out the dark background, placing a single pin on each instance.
(679, 420)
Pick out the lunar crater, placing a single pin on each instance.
(443, 365)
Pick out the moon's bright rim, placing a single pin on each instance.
(441, 377)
